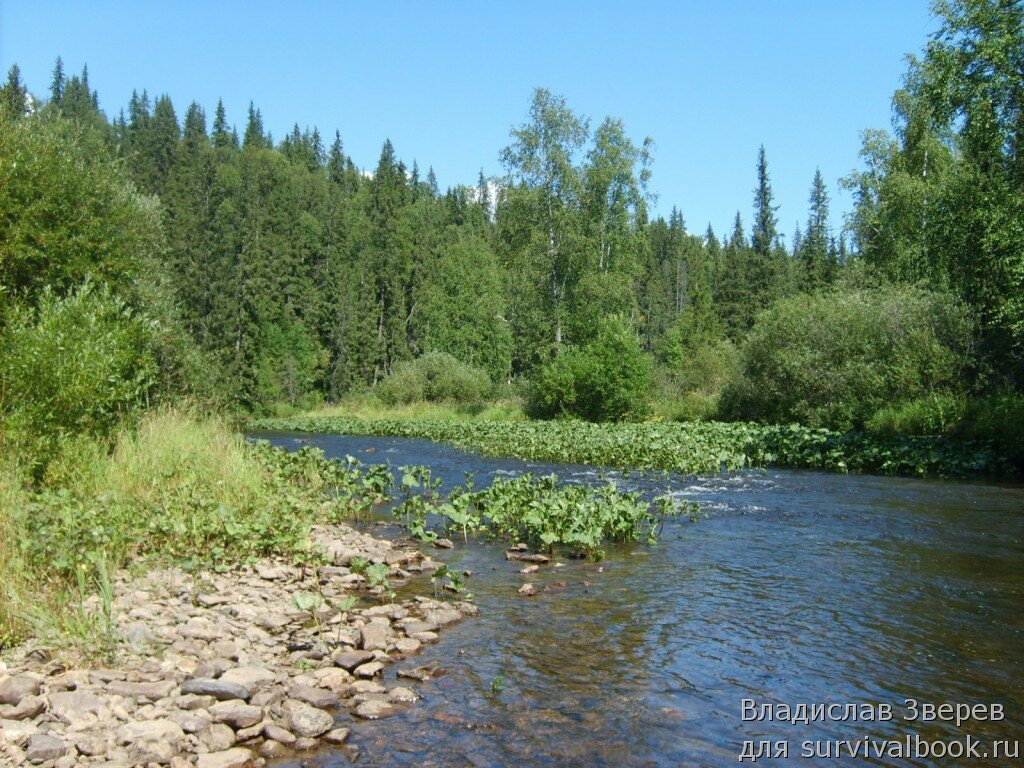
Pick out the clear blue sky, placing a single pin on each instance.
(709, 81)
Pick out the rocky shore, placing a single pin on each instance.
(227, 670)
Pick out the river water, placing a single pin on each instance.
(799, 587)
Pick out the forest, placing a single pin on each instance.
(297, 279)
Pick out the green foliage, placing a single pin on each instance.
(833, 359)
(69, 213)
(695, 447)
(434, 377)
(173, 488)
(75, 365)
(998, 419)
(606, 380)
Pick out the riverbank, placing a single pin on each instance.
(227, 669)
(689, 448)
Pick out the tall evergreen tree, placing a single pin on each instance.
(57, 82)
(815, 249)
(14, 93)
(763, 269)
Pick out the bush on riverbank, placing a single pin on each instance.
(835, 358)
(608, 379)
(436, 377)
(996, 418)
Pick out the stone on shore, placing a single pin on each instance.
(238, 757)
(310, 722)
(222, 690)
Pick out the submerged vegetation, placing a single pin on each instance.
(695, 447)
(538, 511)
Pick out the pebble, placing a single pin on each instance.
(209, 662)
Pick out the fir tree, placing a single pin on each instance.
(57, 82)
(13, 95)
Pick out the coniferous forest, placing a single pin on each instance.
(301, 279)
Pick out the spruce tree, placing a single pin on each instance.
(14, 94)
(57, 82)
(763, 272)
(254, 136)
(815, 247)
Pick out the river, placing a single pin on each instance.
(798, 587)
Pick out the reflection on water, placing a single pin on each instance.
(800, 587)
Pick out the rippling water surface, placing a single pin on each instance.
(799, 587)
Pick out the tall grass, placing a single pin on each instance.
(175, 486)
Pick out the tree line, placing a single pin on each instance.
(302, 278)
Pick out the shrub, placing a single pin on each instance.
(937, 414)
(75, 364)
(836, 358)
(434, 377)
(69, 212)
(606, 380)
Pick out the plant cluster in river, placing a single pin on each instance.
(537, 510)
(695, 447)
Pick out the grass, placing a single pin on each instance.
(173, 488)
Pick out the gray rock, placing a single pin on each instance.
(415, 626)
(442, 616)
(17, 732)
(190, 722)
(213, 668)
(272, 620)
(272, 749)
(14, 689)
(236, 713)
(310, 722)
(373, 637)
(142, 692)
(279, 734)
(151, 741)
(403, 694)
(26, 709)
(444, 544)
(226, 649)
(202, 629)
(407, 645)
(89, 744)
(217, 738)
(43, 747)
(372, 669)
(222, 690)
(251, 677)
(78, 708)
(349, 660)
(238, 757)
(317, 697)
(337, 736)
(422, 674)
(272, 572)
(374, 710)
